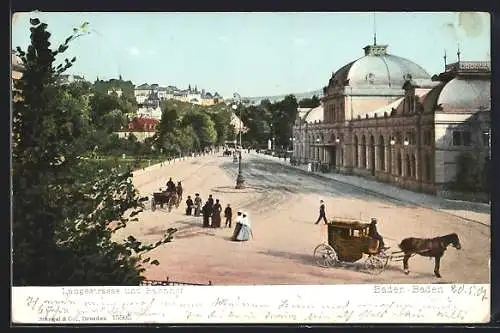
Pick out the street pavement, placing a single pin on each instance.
(473, 211)
(283, 204)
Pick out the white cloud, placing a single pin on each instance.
(222, 38)
(152, 52)
(134, 51)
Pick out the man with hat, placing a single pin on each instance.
(373, 233)
(197, 204)
(228, 214)
(322, 214)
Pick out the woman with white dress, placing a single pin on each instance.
(246, 228)
(237, 226)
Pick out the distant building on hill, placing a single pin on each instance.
(190, 95)
(69, 78)
(141, 128)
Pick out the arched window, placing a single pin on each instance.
(363, 152)
(408, 166)
(356, 151)
(413, 167)
(400, 164)
(428, 166)
(381, 153)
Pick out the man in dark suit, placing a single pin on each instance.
(322, 214)
(228, 214)
(373, 233)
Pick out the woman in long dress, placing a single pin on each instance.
(237, 225)
(216, 218)
(246, 229)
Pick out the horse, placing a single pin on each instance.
(428, 247)
(179, 191)
(172, 201)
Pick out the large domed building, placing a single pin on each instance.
(384, 117)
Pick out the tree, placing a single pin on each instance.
(203, 126)
(69, 243)
(309, 102)
(284, 119)
(222, 123)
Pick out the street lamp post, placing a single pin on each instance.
(239, 180)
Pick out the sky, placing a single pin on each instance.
(254, 54)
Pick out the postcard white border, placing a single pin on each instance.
(336, 304)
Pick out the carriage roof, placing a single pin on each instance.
(346, 223)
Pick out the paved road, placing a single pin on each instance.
(283, 205)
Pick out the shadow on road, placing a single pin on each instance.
(306, 259)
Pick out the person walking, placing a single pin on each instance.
(228, 214)
(216, 219)
(246, 229)
(197, 204)
(206, 215)
(237, 227)
(322, 214)
(189, 204)
(210, 206)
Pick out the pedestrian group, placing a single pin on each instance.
(211, 213)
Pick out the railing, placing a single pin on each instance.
(171, 283)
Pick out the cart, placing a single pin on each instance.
(348, 242)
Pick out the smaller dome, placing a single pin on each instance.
(465, 94)
(314, 115)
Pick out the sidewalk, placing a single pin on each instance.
(471, 211)
(172, 162)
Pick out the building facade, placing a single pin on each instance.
(384, 117)
(193, 96)
(141, 128)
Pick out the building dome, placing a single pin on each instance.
(314, 115)
(460, 94)
(380, 70)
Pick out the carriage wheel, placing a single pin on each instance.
(376, 263)
(325, 256)
(153, 204)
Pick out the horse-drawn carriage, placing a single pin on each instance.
(348, 242)
(161, 198)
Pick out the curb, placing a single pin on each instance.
(366, 190)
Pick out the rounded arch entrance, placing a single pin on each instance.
(381, 152)
(363, 151)
(372, 155)
(356, 151)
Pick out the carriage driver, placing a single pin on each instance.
(170, 185)
(373, 233)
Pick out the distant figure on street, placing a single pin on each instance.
(322, 214)
(216, 219)
(228, 214)
(206, 215)
(189, 205)
(237, 227)
(373, 233)
(197, 204)
(246, 229)
(210, 203)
